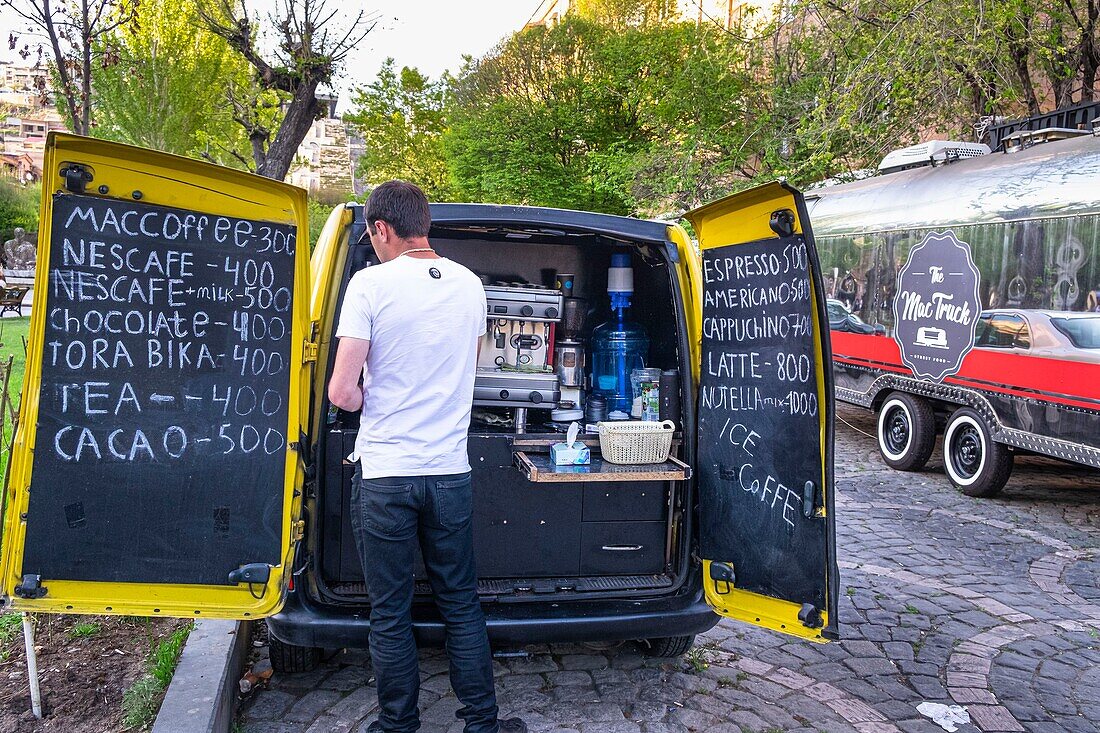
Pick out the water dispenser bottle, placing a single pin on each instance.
(619, 345)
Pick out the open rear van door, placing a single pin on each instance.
(765, 406)
(156, 466)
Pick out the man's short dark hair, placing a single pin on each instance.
(403, 206)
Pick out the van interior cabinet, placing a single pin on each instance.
(540, 528)
(523, 528)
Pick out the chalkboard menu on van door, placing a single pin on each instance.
(161, 435)
(759, 439)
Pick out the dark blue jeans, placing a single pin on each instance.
(390, 516)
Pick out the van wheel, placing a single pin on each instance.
(669, 646)
(974, 463)
(291, 658)
(906, 431)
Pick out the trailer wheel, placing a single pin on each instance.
(974, 463)
(906, 431)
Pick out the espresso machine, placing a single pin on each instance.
(569, 353)
(514, 366)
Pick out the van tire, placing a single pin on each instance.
(291, 658)
(906, 431)
(669, 646)
(976, 465)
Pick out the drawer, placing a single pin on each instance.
(524, 530)
(624, 501)
(622, 548)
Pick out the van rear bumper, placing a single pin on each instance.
(303, 622)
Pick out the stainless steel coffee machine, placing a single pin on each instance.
(569, 353)
(514, 365)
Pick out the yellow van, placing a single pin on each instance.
(176, 453)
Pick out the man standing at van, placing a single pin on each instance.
(410, 326)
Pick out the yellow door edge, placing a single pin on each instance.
(774, 211)
(759, 610)
(122, 173)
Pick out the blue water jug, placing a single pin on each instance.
(619, 345)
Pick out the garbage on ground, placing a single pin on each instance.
(948, 717)
(260, 673)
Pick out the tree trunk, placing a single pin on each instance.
(63, 75)
(1020, 53)
(86, 82)
(1090, 52)
(300, 114)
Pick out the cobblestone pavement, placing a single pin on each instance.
(992, 604)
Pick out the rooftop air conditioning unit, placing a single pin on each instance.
(930, 153)
(1027, 138)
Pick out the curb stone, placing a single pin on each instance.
(201, 696)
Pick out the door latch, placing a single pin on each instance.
(256, 572)
(782, 222)
(309, 352)
(298, 531)
(31, 587)
(809, 499)
(722, 572)
(76, 176)
(810, 616)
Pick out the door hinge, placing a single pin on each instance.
(31, 587)
(309, 352)
(298, 531)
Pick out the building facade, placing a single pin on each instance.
(26, 117)
(725, 13)
(326, 160)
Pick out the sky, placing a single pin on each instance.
(431, 35)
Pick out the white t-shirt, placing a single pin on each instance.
(423, 318)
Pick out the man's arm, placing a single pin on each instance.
(343, 388)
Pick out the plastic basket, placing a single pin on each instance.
(636, 442)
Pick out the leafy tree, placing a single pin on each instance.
(625, 13)
(401, 118)
(843, 82)
(75, 32)
(168, 89)
(18, 208)
(635, 119)
(311, 44)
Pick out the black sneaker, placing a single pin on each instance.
(512, 725)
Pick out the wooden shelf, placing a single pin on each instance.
(537, 467)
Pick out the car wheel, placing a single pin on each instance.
(906, 431)
(669, 646)
(974, 463)
(291, 658)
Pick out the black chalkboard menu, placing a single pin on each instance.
(759, 420)
(162, 420)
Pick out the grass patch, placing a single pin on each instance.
(12, 333)
(84, 630)
(910, 608)
(141, 702)
(10, 625)
(700, 657)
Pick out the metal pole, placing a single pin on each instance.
(32, 666)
